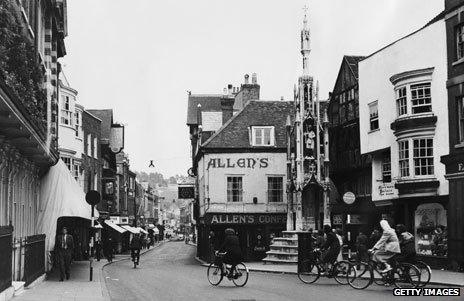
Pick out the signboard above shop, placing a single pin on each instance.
(245, 218)
(349, 198)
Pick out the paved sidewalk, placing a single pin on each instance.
(438, 277)
(78, 287)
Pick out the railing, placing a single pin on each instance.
(5, 258)
(34, 257)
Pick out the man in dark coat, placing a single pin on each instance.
(64, 247)
(108, 249)
(362, 247)
(331, 246)
(231, 246)
(136, 245)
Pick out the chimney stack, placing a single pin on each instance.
(246, 79)
(254, 80)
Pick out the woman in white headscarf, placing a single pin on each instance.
(387, 246)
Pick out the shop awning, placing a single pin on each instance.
(131, 229)
(142, 230)
(114, 226)
(60, 196)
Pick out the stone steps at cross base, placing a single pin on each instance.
(284, 249)
(18, 287)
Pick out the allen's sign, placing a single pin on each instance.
(240, 163)
(245, 219)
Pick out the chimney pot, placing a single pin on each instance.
(246, 79)
(254, 79)
(230, 87)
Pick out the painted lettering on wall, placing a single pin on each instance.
(227, 218)
(241, 163)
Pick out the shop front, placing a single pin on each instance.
(255, 231)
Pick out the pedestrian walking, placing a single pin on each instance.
(339, 234)
(361, 247)
(136, 245)
(64, 247)
(98, 248)
(320, 240)
(212, 244)
(108, 249)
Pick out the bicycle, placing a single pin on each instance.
(310, 270)
(360, 275)
(215, 272)
(424, 270)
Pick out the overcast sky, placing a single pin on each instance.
(139, 57)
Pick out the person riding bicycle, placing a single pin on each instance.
(331, 247)
(407, 245)
(386, 247)
(136, 245)
(231, 246)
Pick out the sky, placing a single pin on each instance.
(140, 57)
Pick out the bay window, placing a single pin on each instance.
(421, 101)
(401, 102)
(420, 157)
(66, 114)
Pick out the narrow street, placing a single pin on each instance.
(172, 273)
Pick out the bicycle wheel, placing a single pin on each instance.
(214, 274)
(309, 272)
(378, 277)
(340, 271)
(241, 275)
(359, 275)
(425, 273)
(406, 275)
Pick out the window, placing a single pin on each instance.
(89, 145)
(109, 188)
(423, 156)
(401, 102)
(95, 153)
(461, 119)
(67, 161)
(460, 42)
(386, 168)
(78, 124)
(373, 115)
(234, 189)
(404, 158)
(263, 136)
(275, 189)
(420, 98)
(76, 171)
(66, 114)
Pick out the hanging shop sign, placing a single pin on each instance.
(238, 163)
(349, 198)
(245, 219)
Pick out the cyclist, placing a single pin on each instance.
(386, 247)
(331, 247)
(136, 245)
(231, 246)
(408, 250)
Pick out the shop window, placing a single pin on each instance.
(263, 136)
(373, 116)
(431, 230)
(234, 189)
(275, 189)
(401, 102)
(420, 98)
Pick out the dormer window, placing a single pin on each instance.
(263, 136)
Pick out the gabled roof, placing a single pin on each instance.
(235, 132)
(106, 117)
(352, 62)
(208, 102)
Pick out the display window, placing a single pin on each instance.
(431, 230)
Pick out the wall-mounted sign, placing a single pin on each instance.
(245, 219)
(240, 163)
(186, 192)
(349, 198)
(354, 219)
(387, 189)
(337, 219)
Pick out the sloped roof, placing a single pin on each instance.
(352, 61)
(235, 132)
(208, 102)
(106, 117)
